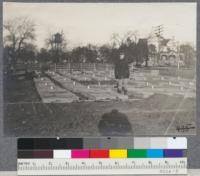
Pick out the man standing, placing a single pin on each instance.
(122, 73)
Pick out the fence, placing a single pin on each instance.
(68, 67)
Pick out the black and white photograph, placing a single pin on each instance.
(99, 69)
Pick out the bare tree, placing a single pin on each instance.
(126, 39)
(115, 40)
(18, 32)
(131, 35)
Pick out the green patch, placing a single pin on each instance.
(137, 153)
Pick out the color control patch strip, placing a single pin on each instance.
(103, 153)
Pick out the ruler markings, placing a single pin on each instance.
(102, 165)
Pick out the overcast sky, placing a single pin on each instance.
(94, 23)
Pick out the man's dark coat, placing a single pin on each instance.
(121, 69)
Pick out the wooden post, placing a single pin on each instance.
(55, 68)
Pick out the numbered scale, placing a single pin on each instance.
(101, 166)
